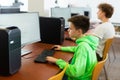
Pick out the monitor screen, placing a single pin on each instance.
(61, 12)
(28, 23)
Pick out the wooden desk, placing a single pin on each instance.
(38, 71)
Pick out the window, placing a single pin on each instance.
(10, 3)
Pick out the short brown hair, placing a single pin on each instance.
(80, 22)
(107, 9)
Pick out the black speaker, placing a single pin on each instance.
(52, 30)
(10, 50)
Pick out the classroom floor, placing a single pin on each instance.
(113, 63)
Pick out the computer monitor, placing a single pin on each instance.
(67, 13)
(28, 23)
(52, 30)
(61, 12)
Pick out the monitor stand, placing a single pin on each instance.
(25, 52)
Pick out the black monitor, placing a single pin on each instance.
(52, 30)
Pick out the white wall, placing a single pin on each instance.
(6, 2)
(44, 6)
(36, 6)
(51, 3)
(83, 3)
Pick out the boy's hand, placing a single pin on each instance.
(57, 47)
(51, 59)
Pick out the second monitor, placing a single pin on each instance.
(52, 30)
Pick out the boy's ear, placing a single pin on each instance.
(80, 31)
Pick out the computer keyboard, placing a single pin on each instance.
(41, 58)
(25, 52)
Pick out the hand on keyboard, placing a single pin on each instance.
(41, 58)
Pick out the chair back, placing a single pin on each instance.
(107, 47)
(98, 68)
(60, 75)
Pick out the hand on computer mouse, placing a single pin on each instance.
(56, 47)
(53, 48)
(51, 59)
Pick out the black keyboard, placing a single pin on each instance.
(42, 57)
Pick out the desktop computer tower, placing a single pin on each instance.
(52, 30)
(10, 50)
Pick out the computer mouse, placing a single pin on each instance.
(68, 38)
(53, 48)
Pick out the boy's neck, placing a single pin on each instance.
(81, 35)
(104, 20)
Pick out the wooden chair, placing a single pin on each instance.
(60, 75)
(108, 44)
(98, 68)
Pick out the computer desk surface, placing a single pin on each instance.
(38, 71)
